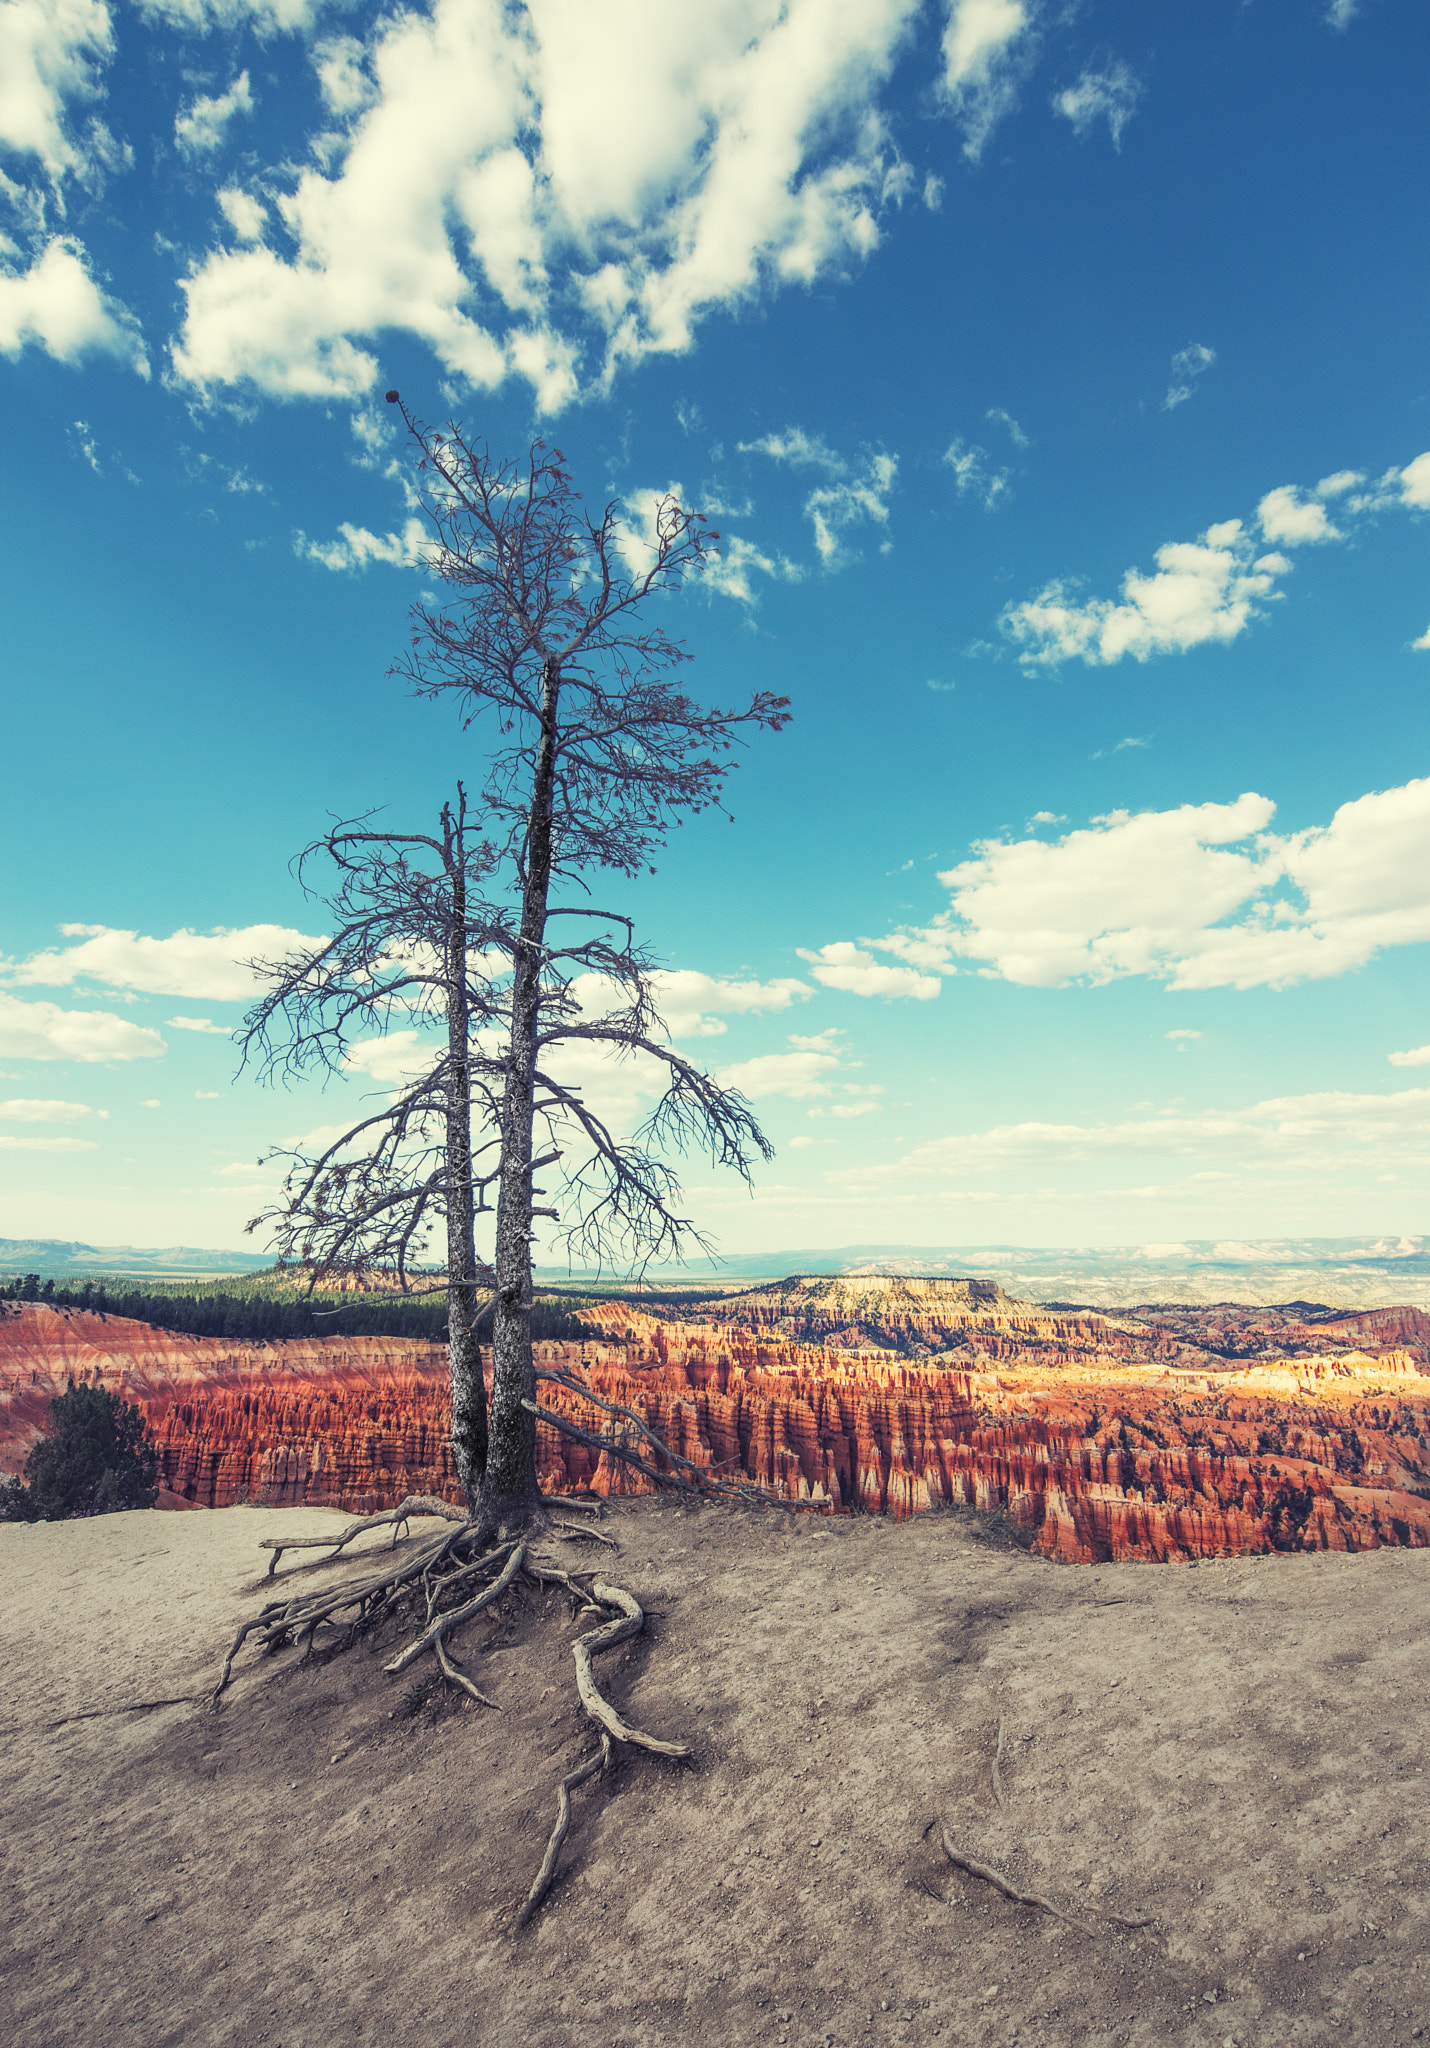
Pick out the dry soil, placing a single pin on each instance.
(1234, 1750)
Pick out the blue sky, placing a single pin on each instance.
(1057, 378)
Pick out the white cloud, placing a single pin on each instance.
(996, 416)
(355, 547)
(694, 1005)
(151, 1102)
(1422, 645)
(854, 492)
(1285, 516)
(58, 305)
(209, 965)
(1415, 483)
(246, 215)
(51, 56)
(343, 78)
(267, 17)
(845, 966)
(390, 1060)
(1204, 896)
(1109, 95)
(1188, 364)
(1333, 1131)
(799, 1076)
(29, 1110)
(1420, 1057)
(1207, 589)
(986, 44)
(200, 127)
(730, 566)
(1341, 13)
(43, 1031)
(971, 473)
(585, 176)
(205, 1024)
(208, 1094)
(1174, 1035)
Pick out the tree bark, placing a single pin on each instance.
(510, 1495)
(464, 1352)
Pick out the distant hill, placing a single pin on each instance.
(61, 1256)
(1346, 1272)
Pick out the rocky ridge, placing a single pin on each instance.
(1095, 1437)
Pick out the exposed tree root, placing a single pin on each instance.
(452, 1577)
(398, 1517)
(542, 1884)
(1010, 1891)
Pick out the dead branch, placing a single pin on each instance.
(542, 1883)
(701, 1484)
(1000, 1884)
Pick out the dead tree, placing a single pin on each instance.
(487, 942)
(412, 949)
(595, 757)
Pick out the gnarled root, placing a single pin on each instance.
(628, 1621)
(542, 1883)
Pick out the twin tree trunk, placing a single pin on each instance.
(510, 1495)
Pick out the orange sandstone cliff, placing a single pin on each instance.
(1097, 1437)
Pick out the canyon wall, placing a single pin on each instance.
(1094, 1439)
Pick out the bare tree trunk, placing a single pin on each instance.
(510, 1494)
(464, 1352)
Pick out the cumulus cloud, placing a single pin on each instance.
(29, 1110)
(355, 547)
(200, 127)
(1110, 95)
(44, 1031)
(1420, 1057)
(594, 181)
(1188, 364)
(52, 53)
(209, 965)
(974, 476)
(56, 305)
(1210, 589)
(695, 1005)
(204, 1024)
(986, 47)
(1201, 590)
(843, 965)
(1288, 517)
(806, 1072)
(267, 17)
(1203, 896)
(246, 215)
(732, 564)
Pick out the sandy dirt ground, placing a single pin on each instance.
(1236, 1750)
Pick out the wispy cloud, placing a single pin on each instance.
(855, 491)
(1188, 365)
(1109, 95)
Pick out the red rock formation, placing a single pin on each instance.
(1094, 1452)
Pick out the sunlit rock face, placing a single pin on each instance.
(1150, 1437)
